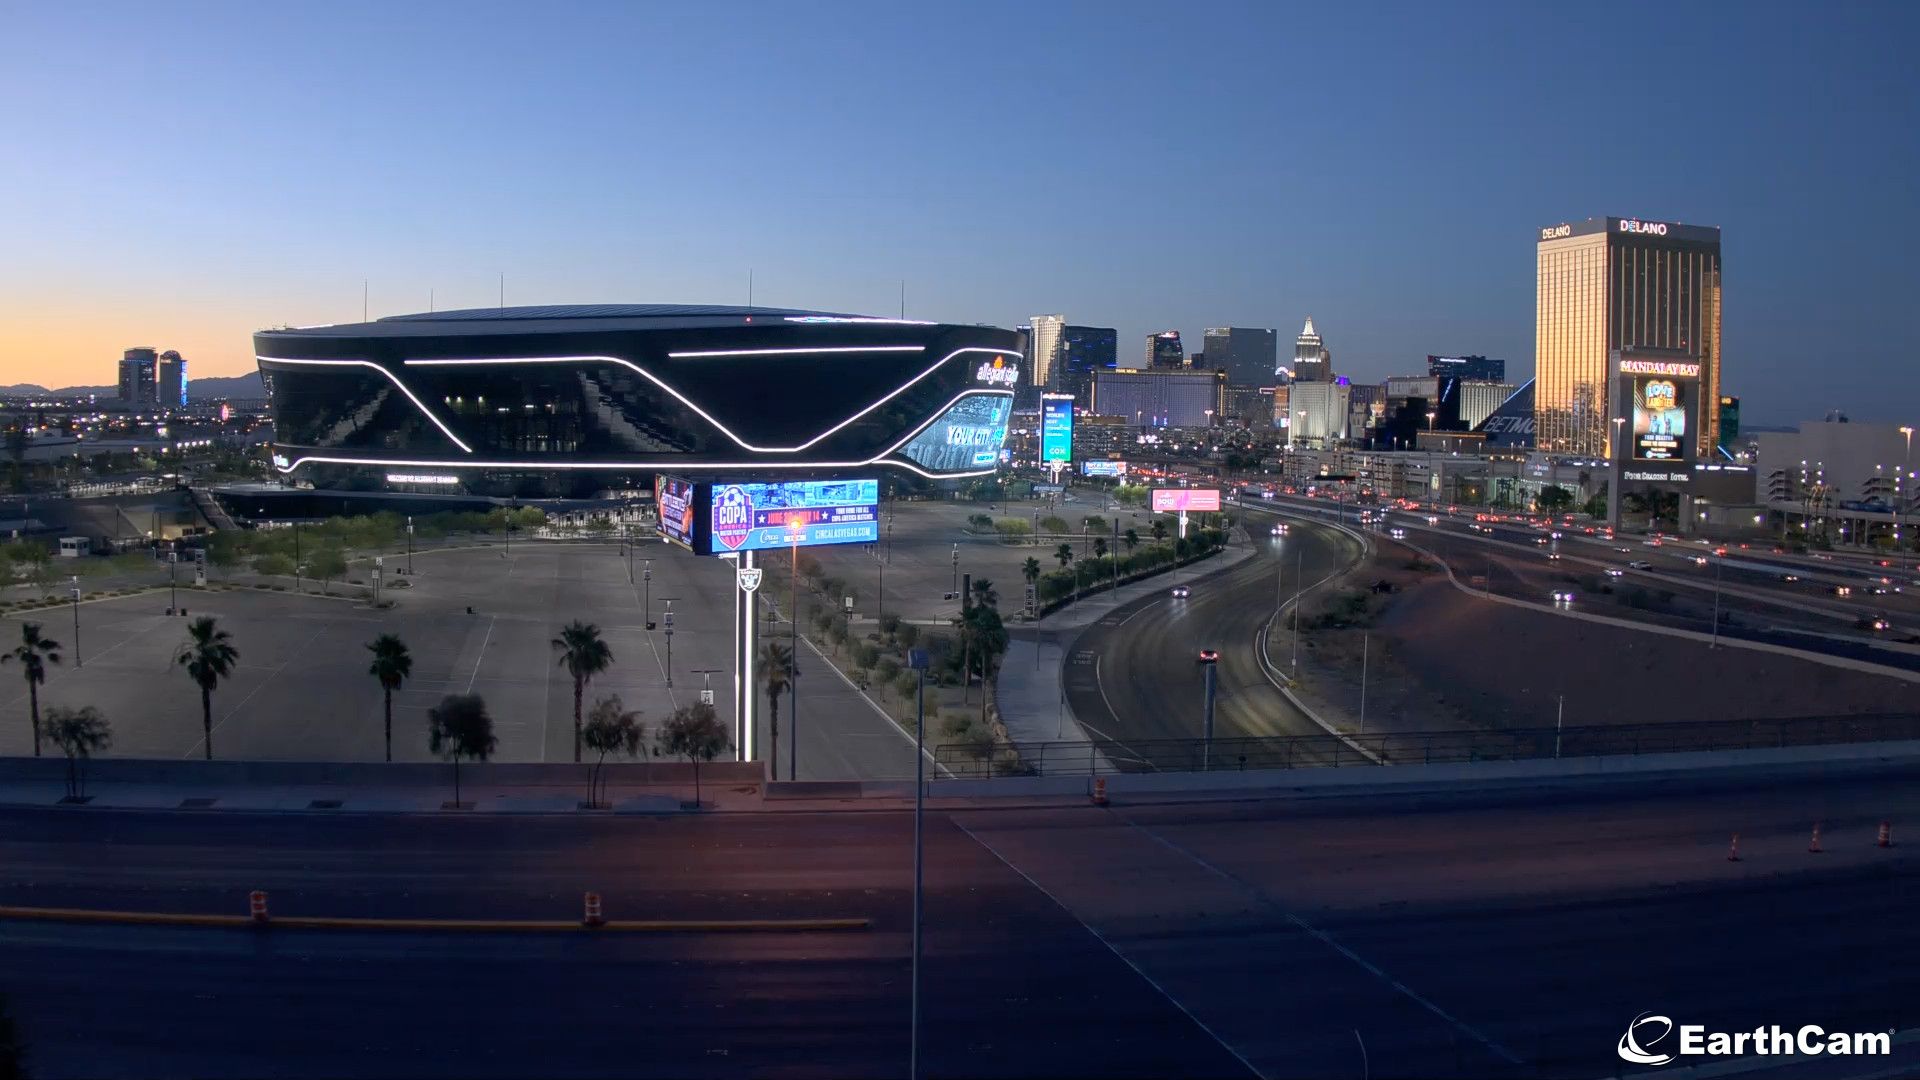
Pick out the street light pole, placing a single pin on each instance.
(917, 659)
(793, 663)
(73, 588)
(668, 600)
(1299, 582)
(1366, 641)
(409, 546)
(1206, 724)
(1559, 722)
(1715, 643)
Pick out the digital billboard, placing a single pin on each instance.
(967, 437)
(803, 513)
(1659, 419)
(1103, 468)
(673, 499)
(1171, 500)
(1056, 429)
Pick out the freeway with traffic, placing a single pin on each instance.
(1759, 596)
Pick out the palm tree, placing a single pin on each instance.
(1064, 553)
(1159, 529)
(984, 594)
(1099, 547)
(1030, 570)
(1131, 538)
(34, 653)
(584, 654)
(776, 678)
(208, 656)
(391, 665)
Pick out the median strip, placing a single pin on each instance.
(532, 926)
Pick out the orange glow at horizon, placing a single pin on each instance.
(65, 344)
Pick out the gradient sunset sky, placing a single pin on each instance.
(180, 175)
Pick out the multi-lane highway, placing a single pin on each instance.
(1783, 600)
(1480, 932)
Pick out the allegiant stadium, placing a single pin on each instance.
(566, 400)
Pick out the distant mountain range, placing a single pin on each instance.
(237, 386)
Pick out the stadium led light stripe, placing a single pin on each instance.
(395, 379)
(793, 352)
(738, 466)
(509, 361)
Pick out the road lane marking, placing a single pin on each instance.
(1101, 938)
(1328, 940)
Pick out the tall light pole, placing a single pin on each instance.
(1299, 581)
(73, 590)
(917, 660)
(646, 594)
(1717, 563)
(796, 532)
(409, 545)
(1208, 660)
(668, 618)
(1900, 484)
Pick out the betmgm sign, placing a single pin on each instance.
(1657, 420)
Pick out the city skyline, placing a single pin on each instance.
(180, 196)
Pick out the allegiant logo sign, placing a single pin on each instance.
(997, 372)
(1648, 228)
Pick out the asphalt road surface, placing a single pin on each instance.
(1134, 675)
(1472, 933)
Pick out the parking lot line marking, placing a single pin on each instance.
(471, 679)
(299, 653)
(1328, 940)
(1101, 938)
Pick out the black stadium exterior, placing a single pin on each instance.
(564, 401)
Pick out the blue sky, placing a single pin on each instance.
(181, 175)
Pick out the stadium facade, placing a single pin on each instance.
(564, 401)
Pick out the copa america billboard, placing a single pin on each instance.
(809, 513)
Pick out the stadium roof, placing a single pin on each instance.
(560, 318)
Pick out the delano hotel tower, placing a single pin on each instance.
(1620, 284)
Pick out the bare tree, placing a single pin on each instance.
(610, 729)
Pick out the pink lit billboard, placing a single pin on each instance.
(1173, 500)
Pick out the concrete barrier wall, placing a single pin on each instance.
(371, 774)
(1458, 773)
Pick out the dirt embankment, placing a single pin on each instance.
(1439, 658)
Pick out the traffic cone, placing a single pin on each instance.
(1099, 791)
(593, 917)
(257, 905)
(1733, 849)
(1886, 834)
(1813, 845)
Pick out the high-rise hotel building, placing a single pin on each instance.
(1608, 284)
